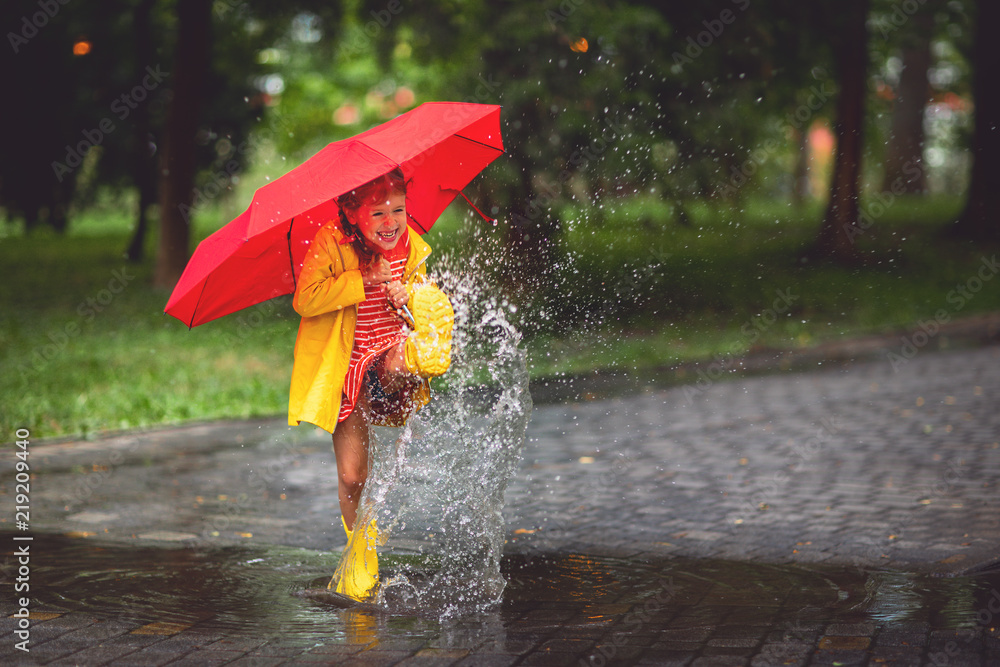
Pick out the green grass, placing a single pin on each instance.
(85, 346)
(642, 291)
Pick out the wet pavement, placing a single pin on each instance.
(845, 514)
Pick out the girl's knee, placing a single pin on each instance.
(353, 481)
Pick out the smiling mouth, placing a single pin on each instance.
(388, 236)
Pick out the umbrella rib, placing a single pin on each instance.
(291, 260)
(498, 150)
(423, 229)
(474, 141)
(194, 311)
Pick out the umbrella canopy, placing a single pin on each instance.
(440, 147)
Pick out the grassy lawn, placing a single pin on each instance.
(85, 346)
(657, 293)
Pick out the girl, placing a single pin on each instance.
(357, 361)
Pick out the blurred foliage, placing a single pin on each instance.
(602, 99)
(648, 190)
(74, 134)
(84, 347)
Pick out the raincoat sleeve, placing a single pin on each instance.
(325, 284)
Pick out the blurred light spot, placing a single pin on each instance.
(403, 50)
(271, 56)
(81, 47)
(404, 97)
(580, 45)
(307, 28)
(346, 114)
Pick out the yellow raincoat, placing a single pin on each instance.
(329, 289)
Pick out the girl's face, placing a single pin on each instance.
(383, 223)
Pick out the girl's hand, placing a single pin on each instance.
(397, 294)
(377, 273)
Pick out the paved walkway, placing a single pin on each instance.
(858, 464)
(795, 518)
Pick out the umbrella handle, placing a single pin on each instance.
(408, 316)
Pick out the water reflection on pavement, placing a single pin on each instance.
(559, 607)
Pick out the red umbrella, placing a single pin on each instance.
(440, 146)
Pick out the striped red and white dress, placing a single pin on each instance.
(378, 329)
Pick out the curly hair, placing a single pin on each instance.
(365, 195)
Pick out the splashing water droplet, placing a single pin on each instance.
(437, 484)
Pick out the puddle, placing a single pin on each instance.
(255, 592)
(436, 486)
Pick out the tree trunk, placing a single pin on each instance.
(178, 157)
(904, 161)
(800, 172)
(532, 234)
(142, 158)
(531, 237)
(979, 221)
(840, 227)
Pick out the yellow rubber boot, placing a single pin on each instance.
(427, 352)
(358, 570)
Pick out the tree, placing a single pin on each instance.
(48, 127)
(600, 101)
(849, 40)
(904, 160)
(178, 164)
(143, 160)
(979, 220)
(220, 91)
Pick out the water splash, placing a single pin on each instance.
(436, 486)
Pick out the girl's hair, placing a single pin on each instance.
(371, 192)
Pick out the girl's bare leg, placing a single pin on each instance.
(392, 373)
(350, 446)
